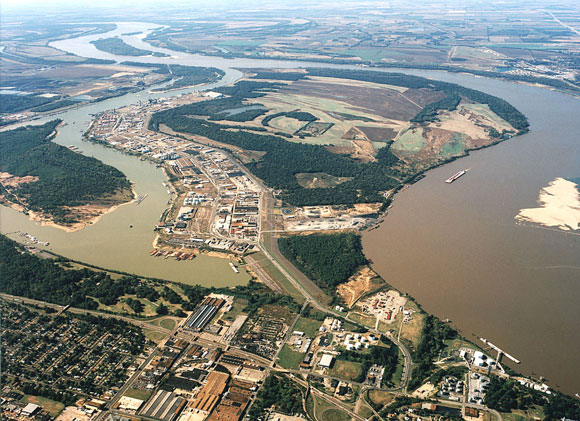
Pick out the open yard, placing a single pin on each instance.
(289, 359)
(52, 407)
(348, 370)
(380, 397)
(308, 326)
(138, 394)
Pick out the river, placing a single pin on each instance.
(456, 248)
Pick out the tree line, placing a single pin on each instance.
(65, 178)
(433, 335)
(328, 259)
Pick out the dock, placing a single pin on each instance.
(500, 352)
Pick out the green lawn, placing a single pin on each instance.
(308, 326)
(289, 358)
(348, 370)
(138, 394)
(168, 323)
(154, 336)
(54, 408)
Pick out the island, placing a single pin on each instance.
(56, 185)
(118, 46)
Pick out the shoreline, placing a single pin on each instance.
(45, 221)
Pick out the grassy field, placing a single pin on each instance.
(138, 394)
(398, 374)
(380, 397)
(363, 319)
(237, 309)
(310, 407)
(308, 326)
(333, 414)
(455, 146)
(276, 275)
(325, 411)
(289, 125)
(365, 412)
(154, 335)
(168, 324)
(483, 109)
(239, 43)
(411, 331)
(529, 414)
(289, 358)
(348, 370)
(411, 140)
(52, 407)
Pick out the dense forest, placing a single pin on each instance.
(328, 259)
(183, 75)
(65, 178)
(120, 47)
(25, 275)
(508, 395)
(433, 335)
(297, 115)
(14, 103)
(281, 393)
(430, 111)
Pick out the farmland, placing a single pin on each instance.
(499, 41)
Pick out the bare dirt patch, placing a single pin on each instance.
(377, 134)
(376, 99)
(9, 180)
(363, 282)
(319, 180)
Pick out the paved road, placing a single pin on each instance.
(137, 322)
(321, 308)
(110, 404)
(333, 401)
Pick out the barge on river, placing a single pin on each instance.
(455, 176)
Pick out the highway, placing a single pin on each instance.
(75, 310)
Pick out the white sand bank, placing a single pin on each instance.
(559, 206)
